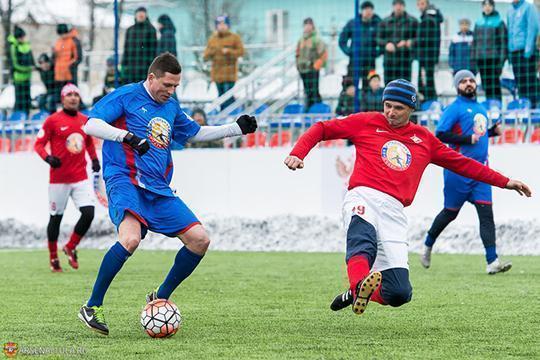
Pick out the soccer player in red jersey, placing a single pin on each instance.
(391, 156)
(68, 175)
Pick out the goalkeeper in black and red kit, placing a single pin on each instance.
(68, 175)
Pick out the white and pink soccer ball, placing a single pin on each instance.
(161, 318)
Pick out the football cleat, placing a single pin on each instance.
(425, 258)
(342, 301)
(93, 318)
(364, 290)
(72, 257)
(498, 267)
(151, 296)
(55, 265)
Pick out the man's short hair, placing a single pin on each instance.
(163, 63)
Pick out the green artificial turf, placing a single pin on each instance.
(241, 305)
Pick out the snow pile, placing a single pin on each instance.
(288, 233)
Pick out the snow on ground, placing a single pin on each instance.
(288, 233)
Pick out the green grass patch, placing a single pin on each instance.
(273, 306)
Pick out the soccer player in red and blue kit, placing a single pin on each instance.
(391, 156)
(463, 125)
(68, 175)
(138, 123)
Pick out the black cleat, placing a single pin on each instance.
(151, 296)
(364, 290)
(93, 318)
(55, 265)
(342, 301)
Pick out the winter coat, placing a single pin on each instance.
(345, 104)
(311, 53)
(22, 60)
(167, 40)
(372, 100)
(522, 28)
(489, 39)
(428, 40)
(459, 56)
(65, 55)
(224, 66)
(394, 29)
(362, 41)
(140, 48)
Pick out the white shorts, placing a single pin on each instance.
(81, 193)
(386, 215)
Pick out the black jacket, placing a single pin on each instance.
(140, 48)
(394, 29)
(167, 41)
(428, 40)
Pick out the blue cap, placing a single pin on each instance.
(402, 91)
(223, 19)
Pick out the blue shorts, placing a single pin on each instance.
(458, 189)
(161, 214)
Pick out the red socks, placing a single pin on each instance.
(74, 240)
(53, 249)
(357, 269)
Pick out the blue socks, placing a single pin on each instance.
(112, 262)
(185, 262)
(491, 254)
(429, 241)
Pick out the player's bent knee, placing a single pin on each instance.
(398, 296)
(196, 239)
(451, 214)
(130, 242)
(200, 244)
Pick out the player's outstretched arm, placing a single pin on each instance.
(294, 162)
(101, 129)
(245, 124)
(520, 187)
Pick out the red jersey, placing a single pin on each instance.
(392, 160)
(68, 143)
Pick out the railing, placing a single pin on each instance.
(275, 130)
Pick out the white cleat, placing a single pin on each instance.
(425, 257)
(498, 267)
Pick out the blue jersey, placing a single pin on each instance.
(466, 117)
(130, 107)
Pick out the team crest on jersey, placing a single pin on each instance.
(75, 143)
(159, 132)
(396, 155)
(480, 124)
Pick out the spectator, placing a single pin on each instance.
(75, 66)
(140, 47)
(311, 55)
(489, 49)
(522, 32)
(109, 81)
(167, 39)
(345, 104)
(22, 63)
(224, 48)
(46, 72)
(372, 98)
(200, 118)
(364, 43)
(395, 35)
(65, 56)
(428, 46)
(459, 57)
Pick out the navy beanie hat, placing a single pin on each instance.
(402, 91)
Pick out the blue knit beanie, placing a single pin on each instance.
(223, 19)
(402, 91)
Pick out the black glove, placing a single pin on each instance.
(95, 165)
(138, 144)
(247, 123)
(53, 161)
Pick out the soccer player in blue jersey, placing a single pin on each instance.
(463, 125)
(138, 123)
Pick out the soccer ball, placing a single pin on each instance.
(161, 318)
